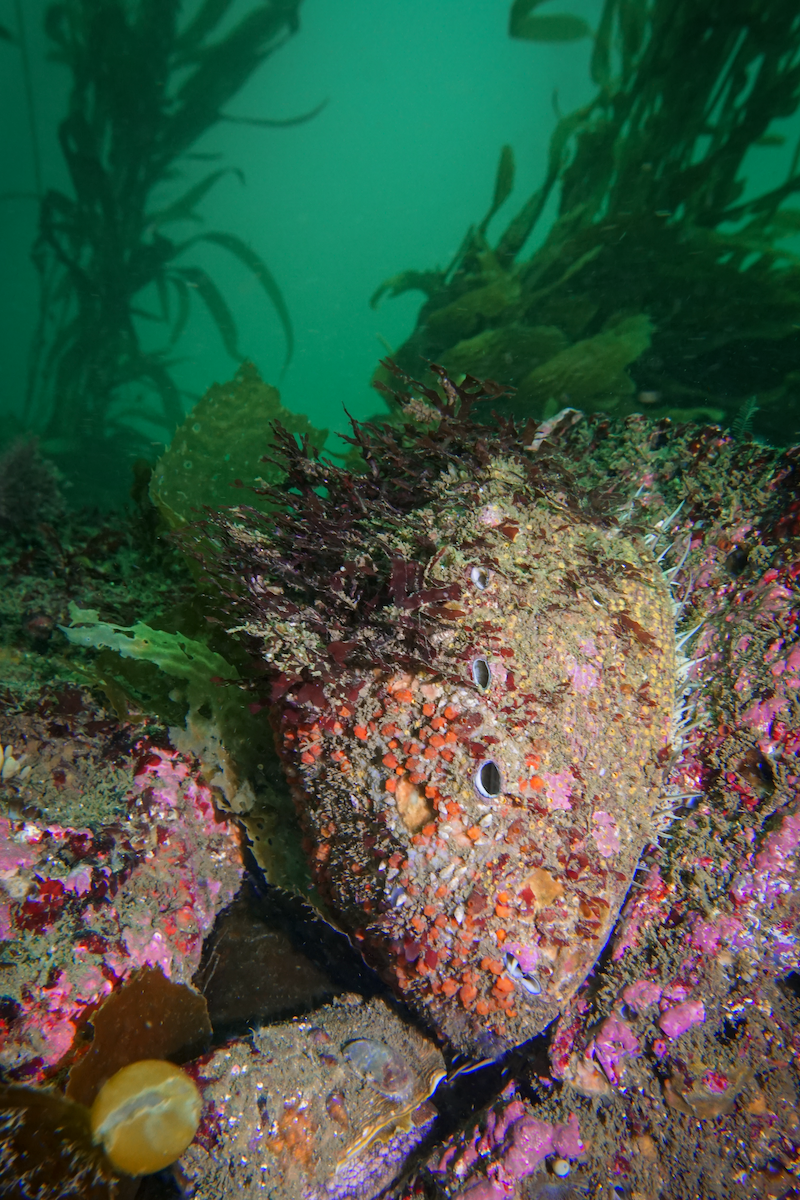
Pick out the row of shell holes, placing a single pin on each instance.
(488, 780)
(489, 783)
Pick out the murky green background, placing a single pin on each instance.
(420, 96)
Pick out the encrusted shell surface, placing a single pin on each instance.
(286, 1115)
(477, 825)
(476, 667)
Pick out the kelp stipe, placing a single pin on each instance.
(145, 86)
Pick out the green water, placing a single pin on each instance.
(418, 99)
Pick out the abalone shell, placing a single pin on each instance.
(287, 1114)
(477, 730)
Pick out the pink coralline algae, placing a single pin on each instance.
(677, 1020)
(641, 995)
(84, 907)
(613, 1044)
(491, 1159)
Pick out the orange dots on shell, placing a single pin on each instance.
(404, 695)
(145, 1116)
(415, 810)
(473, 833)
(449, 987)
(391, 785)
(390, 761)
(361, 732)
(467, 994)
(428, 710)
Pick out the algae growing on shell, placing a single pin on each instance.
(476, 700)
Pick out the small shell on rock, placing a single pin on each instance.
(382, 1067)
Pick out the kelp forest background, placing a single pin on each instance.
(594, 207)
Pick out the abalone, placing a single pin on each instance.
(475, 670)
(288, 1114)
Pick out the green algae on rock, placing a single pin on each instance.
(220, 446)
(476, 670)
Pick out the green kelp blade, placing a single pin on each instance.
(215, 302)
(559, 27)
(591, 373)
(183, 209)
(173, 653)
(503, 185)
(261, 271)
(277, 122)
(520, 10)
(633, 16)
(204, 22)
(184, 307)
(150, 366)
(600, 65)
(428, 282)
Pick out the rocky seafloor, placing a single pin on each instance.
(673, 1071)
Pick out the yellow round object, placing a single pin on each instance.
(146, 1115)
